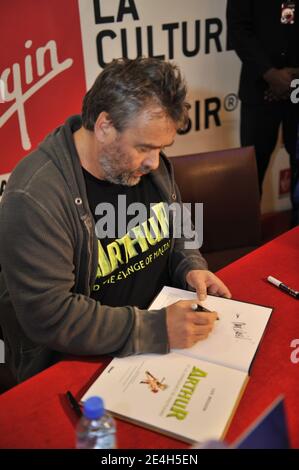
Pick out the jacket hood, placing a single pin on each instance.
(57, 148)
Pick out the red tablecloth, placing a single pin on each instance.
(35, 414)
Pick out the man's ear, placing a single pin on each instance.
(104, 129)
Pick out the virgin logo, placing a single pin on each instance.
(18, 78)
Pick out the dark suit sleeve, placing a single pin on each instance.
(242, 37)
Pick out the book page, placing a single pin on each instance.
(173, 394)
(235, 337)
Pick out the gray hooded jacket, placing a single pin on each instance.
(48, 258)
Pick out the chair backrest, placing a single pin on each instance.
(226, 183)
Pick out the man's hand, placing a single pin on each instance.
(206, 282)
(279, 81)
(185, 327)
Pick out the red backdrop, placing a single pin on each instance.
(61, 95)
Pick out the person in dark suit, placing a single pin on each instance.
(265, 36)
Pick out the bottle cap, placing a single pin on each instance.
(93, 408)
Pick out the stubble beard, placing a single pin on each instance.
(112, 161)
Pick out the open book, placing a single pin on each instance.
(235, 337)
(190, 394)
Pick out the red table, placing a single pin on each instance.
(35, 414)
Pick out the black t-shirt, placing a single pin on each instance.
(133, 259)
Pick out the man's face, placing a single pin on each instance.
(130, 154)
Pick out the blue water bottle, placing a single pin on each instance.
(96, 429)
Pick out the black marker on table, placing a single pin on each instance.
(200, 308)
(283, 287)
(74, 404)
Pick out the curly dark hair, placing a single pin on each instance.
(125, 87)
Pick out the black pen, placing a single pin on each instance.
(74, 404)
(283, 287)
(200, 308)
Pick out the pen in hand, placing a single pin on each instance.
(200, 308)
(74, 404)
